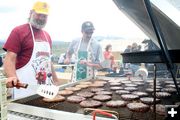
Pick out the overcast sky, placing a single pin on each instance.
(66, 17)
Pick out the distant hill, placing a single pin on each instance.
(100, 38)
(59, 47)
(1, 45)
(2, 42)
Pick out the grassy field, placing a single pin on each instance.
(59, 47)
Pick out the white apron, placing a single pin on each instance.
(83, 71)
(39, 61)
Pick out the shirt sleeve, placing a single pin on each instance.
(13, 42)
(106, 55)
(71, 47)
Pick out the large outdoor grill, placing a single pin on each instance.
(160, 29)
(34, 106)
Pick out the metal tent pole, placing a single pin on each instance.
(162, 43)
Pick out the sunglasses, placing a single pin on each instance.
(88, 32)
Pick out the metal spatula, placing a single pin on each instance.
(48, 90)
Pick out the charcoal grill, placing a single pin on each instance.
(34, 105)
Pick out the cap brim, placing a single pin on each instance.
(41, 12)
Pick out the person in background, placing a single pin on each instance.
(109, 57)
(139, 47)
(134, 47)
(28, 53)
(63, 57)
(135, 66)
(128, 49)
(88, 53)
(1, 61)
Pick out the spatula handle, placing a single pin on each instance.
(21, 85)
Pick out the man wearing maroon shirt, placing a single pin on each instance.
(28, 53)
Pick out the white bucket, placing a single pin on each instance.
(142, 72)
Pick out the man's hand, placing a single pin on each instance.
(67, 61)
(84, 62)
(11, 82)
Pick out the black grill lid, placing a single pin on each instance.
(135, 10)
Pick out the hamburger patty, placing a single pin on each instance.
(58, 98)
(90, 103)
(138, 107)
(85, 94)
(116, 103)
(65, 92)
(102, 97)
(149, 100)
(96, 89)
(103, 93)
(129, 97)
(75, 99)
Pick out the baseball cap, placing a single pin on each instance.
(86, 26)
(41, 7)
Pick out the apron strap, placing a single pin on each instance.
(32, 32)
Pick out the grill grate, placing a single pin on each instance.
(124, 113)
